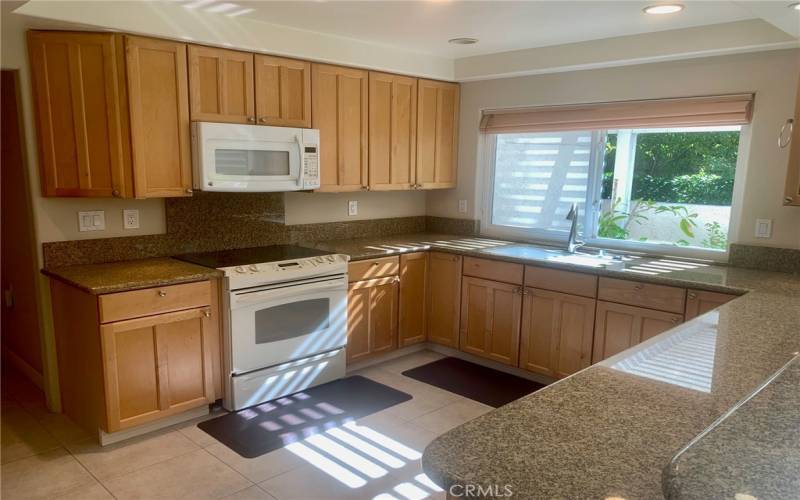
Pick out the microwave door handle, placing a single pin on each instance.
(302, 166)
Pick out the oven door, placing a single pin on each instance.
(280, 323)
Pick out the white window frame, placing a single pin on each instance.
(487, 157)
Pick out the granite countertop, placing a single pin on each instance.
(752, 451)
(130, 275)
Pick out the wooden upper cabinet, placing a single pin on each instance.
(221, 85)
(437, 134)
(792, 196)
(283, 91)
(339, 110)
(700, 302)
(392, 131)
(490, 319)
(557, 332)
(159, 109)
(413, 321)
(81, 113)
(444, 297)
(618, 327)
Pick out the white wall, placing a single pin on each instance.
(307, 208)
(773, 76)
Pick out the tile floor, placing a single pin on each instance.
(44, 455)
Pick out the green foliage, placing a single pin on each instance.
(701, 188)
(715, 236)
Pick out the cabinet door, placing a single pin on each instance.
(283, 91)
(437, 134)
(792, 196)
(392, 131)
(618, 327)
(221, 85)
(81, 115)
(413, 290)
(444, 298)
(700, 302)
(159, 109)
(372, 317)
(339, 111)
(156, 366)
(490, 319)
(557, 330)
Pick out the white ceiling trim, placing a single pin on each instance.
(720, 39)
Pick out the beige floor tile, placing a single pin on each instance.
(312, 483)
(21, 435)
(413, 360)
(414, 485)
(258, 469)
(127, 456)
(421, 403)
(94, 491)
(46, 475)
(452, 415)
(63, 429)
(251, 493)
(195, 475)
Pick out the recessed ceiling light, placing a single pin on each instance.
(795, 6)
(463, 41)
(666, 8)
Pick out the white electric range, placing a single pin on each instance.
(284, 320)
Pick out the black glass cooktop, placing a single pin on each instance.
(246, 256)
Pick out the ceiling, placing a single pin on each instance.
(425, 26)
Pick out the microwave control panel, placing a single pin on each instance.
(310, 167)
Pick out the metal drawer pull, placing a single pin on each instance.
(638, 286)
(692, 295)
(207, 313)
(162, 293)
(787, 127)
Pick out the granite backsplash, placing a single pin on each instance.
(217, 221)
(785, 260)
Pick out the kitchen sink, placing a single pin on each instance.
(583, 257)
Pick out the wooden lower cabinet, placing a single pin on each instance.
(490, 319)
(372, 317)
(150, 364)
(700, 302)
(557, 330)
(156, 366)
(444, 298)
(618, 327)
(412, 321)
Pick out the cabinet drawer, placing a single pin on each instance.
(493, 270)
(660, 297)
(581, 284)
(373, 268)
(137, 303)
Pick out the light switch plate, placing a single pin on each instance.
(352, 207)
(130, 219)
(462, 206)
(94, 220)
(763, 228)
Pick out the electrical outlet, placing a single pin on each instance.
(763, 228)
(352, 207)
(94, 220)
(130, 219)
(462, 206)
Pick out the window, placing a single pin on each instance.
(635, 188)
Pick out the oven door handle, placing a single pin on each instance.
(240, 300)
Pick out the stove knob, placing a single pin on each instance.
(253, 268)
(331, 258)
(319, 260)
(239, 269)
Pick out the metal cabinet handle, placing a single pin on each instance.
(162, 293)
(692, 295)
(188, 191)
(638, 286)
(251, 119)
(676, 320)
(787, 127)
(262, 120)
(115, 193)
(207, 313)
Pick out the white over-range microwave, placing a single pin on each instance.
(254, 158)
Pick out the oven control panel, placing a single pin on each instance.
(255, 274)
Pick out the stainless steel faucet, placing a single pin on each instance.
(573, 243)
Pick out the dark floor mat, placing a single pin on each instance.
(260, 429)
(482, 384)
